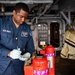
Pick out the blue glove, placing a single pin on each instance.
(25, 56)
(15, 54)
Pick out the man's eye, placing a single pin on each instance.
(21, 16)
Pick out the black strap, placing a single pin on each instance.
(63, 55)
(69, 43)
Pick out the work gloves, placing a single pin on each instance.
(25, 56)
(16, 54)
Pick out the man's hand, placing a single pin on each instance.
(25, 56)
(15, 54)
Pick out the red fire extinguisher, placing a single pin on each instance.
(40, 65)
(49, 51)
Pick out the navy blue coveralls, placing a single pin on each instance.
(11, 38)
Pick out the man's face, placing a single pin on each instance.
(19, 17)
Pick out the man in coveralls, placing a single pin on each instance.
(15, 40)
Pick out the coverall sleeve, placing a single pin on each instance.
(30, 44)
(3, 50)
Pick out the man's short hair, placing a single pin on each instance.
(22, 6)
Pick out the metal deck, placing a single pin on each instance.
(64, 66)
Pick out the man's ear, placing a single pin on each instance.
(14, 12)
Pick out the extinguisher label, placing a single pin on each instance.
(50, 62)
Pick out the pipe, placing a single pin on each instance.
(14, 2)
(49, 6)
(26, 1)
(66, 18)
(46, 8)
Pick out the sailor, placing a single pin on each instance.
(15, 41)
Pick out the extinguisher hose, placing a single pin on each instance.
(28, 61)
